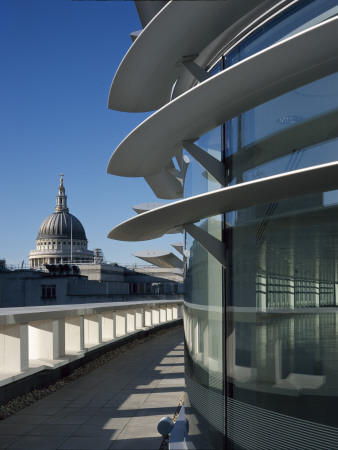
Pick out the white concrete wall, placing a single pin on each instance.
(74, 334)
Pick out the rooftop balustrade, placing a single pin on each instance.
(34, 339)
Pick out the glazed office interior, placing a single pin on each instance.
(261, 316)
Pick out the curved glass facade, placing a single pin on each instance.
(262, 333)
(205, 400)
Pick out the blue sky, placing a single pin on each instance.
(58, 59)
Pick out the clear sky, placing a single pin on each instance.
(58, 58)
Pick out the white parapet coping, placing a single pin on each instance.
(38, 338)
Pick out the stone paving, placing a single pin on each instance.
(117, 406)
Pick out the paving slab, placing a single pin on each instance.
(38, 410)
(15, 429)
(37, 443)
(86, 443)
(7, 439)
(69, 420)
(107, 422)
(49, 429)
(116, 406)
(136, 443)
(25, 419)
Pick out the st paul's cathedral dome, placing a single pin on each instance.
(61, 237)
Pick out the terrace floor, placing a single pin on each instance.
(116, 406)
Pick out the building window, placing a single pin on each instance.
(48, 291)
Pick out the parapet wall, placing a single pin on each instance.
(34, 340)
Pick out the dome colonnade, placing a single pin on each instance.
(61, 237)
(244, 140)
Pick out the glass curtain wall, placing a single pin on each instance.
(281, 278)
(205, 400)
(262, 334)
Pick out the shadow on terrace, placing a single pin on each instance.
(116, 406)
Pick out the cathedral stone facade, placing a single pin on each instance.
(61, 237)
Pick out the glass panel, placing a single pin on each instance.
(204, 336)
(294, 131)
(305, 14)
(204, 403)
(281, 318)
(198, 180)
